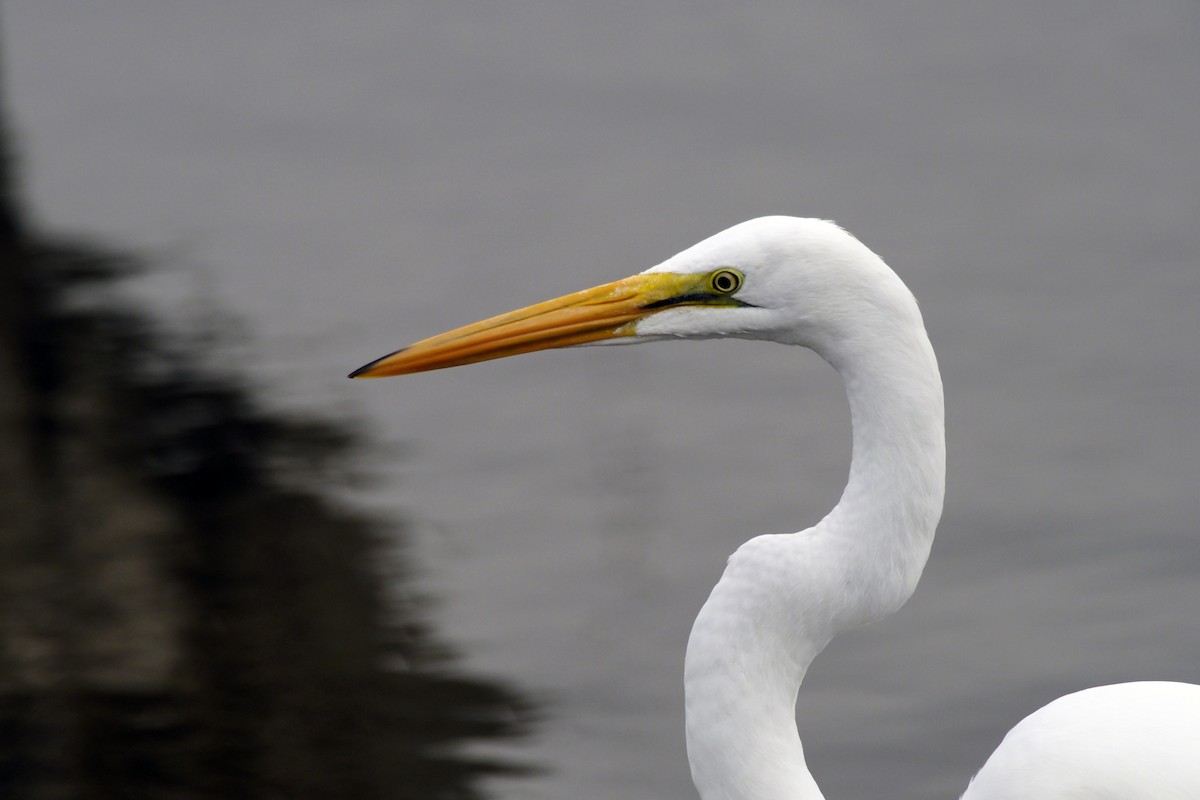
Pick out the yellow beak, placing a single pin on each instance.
(592, 315)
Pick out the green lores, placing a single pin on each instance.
(603, 312)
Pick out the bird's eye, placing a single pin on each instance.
(725, 281)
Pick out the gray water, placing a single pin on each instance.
(350, 177)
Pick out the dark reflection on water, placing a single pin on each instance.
(184, 611)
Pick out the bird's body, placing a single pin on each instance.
(783, 597)
(1127, 741)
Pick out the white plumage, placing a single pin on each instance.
(1126, 741)
(783, 597)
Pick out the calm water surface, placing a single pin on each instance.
(352, 178)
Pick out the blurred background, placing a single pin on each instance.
(231, 572)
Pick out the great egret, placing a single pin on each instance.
(783, 597)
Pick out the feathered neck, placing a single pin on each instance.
(783, 597)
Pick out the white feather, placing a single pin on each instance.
(783, 597)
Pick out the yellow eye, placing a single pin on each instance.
(725, 281)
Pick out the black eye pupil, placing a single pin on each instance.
(725, 282)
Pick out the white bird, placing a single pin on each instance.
(783, 597)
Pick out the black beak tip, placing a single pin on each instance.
(367, 367)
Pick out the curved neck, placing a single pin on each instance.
(783, 597)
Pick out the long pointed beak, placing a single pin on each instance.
(604, 312)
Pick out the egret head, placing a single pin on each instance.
(787, 279)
